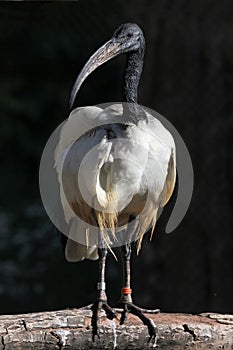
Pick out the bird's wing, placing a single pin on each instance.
(163, 159)
(79, 121)
(125, 170)
(69, 154)
(159, 175)
(82, 159)
(170, 181)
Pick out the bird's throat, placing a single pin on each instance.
(133, 73)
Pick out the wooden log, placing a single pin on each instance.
(71, 329)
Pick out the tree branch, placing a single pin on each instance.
(71, 329)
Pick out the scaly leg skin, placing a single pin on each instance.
(126, 299)
(101, 302)
(135, 310)
(96, 309)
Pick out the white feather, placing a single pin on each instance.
(134, 165)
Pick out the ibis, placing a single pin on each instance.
(125, 161)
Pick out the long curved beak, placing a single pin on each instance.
(105, 53)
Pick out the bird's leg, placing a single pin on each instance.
(101, 302)
(126, 299)
(126, 290)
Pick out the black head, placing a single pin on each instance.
(130, 37)
(127, 38)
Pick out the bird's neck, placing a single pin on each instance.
(133, 73)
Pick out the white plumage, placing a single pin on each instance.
(125, 169)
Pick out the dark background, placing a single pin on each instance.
(188, 78)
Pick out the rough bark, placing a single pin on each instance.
(71, 329)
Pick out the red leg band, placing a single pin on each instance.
(126, 290)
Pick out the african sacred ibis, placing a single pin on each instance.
(129, 175)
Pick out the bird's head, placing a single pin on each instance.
(129, 37)
(126, 39)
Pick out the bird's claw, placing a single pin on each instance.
(96, 308)
(152, 330)
(152, 336)
(95, 335)
(137, 311)
(109, 311)
(124, 315)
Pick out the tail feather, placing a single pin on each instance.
(75, 251)
(107, 220)
(145, 222)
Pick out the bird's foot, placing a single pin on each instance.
(96, 309)
(139, 312)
